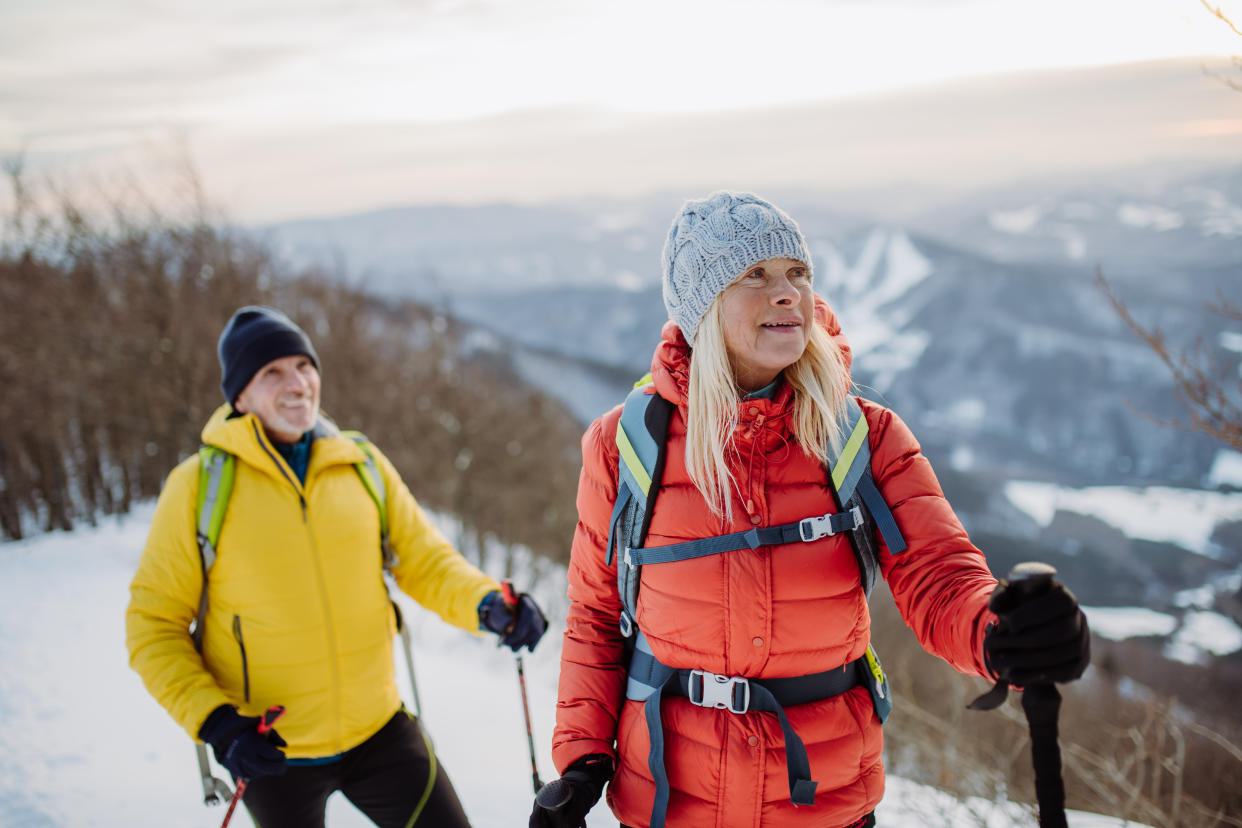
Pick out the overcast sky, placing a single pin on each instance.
(283, 90)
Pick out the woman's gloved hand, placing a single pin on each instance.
(1039, 637)
(564, 802)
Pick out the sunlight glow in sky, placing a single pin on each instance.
(240, 81)
(440, 60)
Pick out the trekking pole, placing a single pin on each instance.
(404, 630)
(215, 790)
(1042, 705)
(266, 723)
(511, 600)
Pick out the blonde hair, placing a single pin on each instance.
(820, 382)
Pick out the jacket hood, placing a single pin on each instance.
(243, 435)
(670, 365)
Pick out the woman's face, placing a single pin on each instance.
(768, 312)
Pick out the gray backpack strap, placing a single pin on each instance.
(641, 438)
(854, 488)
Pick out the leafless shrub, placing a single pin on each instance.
(108, 324)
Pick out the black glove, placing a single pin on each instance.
(1037, 638)
(240, 747)
(519, 625)
(564, 802)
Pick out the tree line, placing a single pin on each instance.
(108, 326)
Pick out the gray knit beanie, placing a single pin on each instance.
(713, 241)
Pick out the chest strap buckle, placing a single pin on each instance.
(730, 693)
(814, 528)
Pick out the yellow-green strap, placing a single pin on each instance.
(842, 467)
(630, 456)
(431, 780)
(215, 483)
(371, 478)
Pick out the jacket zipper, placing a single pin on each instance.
(323, 586)
(241, 645)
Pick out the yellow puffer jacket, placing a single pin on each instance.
(297, 610)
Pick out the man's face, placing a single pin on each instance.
(284, 395)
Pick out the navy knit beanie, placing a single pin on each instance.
(254, 337)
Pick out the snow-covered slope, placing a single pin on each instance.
(82, 744)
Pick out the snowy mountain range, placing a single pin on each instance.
(1150, 227)
(980, 323)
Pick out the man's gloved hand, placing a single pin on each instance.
(519, 624)
(1038, 638)
(564, 802)
(240, 747)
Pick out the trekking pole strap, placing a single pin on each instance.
(757, 699)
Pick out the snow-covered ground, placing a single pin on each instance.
(82, 744)
(1185, 517)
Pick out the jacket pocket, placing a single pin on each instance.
(241, 646)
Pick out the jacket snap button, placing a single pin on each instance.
(753, 411)
(757, 641)
(754, 519)
(753, 740)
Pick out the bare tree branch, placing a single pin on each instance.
(1218, 13)
(1209, 395)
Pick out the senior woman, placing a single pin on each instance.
(764, 721)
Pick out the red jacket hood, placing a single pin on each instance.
(670, 365)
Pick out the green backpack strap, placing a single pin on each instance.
(215, 486)
(373, 482)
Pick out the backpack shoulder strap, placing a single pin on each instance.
(373, 482)
(641, 437)
(854, 487)
(215, 486)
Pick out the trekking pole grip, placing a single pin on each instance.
(1032, 578)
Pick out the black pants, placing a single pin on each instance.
(393, 777)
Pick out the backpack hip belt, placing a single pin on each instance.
(650, 680)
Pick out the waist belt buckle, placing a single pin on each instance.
(721, 692)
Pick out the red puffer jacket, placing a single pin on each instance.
(775, 611)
